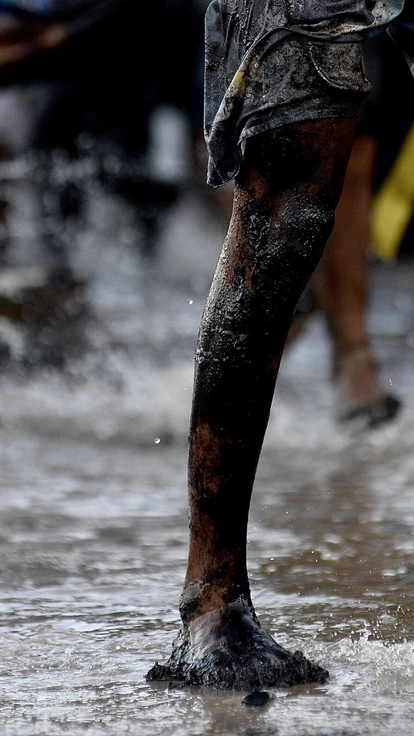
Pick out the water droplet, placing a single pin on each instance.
(190, 302)
(157, 440)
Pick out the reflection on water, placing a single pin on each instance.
(93, 529)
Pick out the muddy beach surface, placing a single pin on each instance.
(93, 524)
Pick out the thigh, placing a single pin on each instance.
(308, 157)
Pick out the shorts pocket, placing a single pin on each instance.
(340, 65)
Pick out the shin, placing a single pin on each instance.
(283, 214)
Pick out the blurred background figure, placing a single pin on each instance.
(102, 69)
(112, 78)
(340, 285)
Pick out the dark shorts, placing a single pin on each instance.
(274, 62)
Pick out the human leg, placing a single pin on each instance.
(283, 212)
(340, 284)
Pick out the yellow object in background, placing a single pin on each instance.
(393, 205)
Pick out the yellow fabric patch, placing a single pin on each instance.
(394, 204)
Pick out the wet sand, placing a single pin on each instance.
(93, 529)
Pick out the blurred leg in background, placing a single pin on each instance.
(340, 285)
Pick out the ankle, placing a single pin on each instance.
(199, 598)
(346, 351)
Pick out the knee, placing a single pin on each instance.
(285, 242)
(302, 229)
(288, 232)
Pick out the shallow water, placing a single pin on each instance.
(93, 529)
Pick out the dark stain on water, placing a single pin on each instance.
(256, 698)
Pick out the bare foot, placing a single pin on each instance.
(358, 390)
(228, 650)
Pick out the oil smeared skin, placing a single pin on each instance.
(283, 213)
(227, 649)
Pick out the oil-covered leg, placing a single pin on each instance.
(283, 214)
